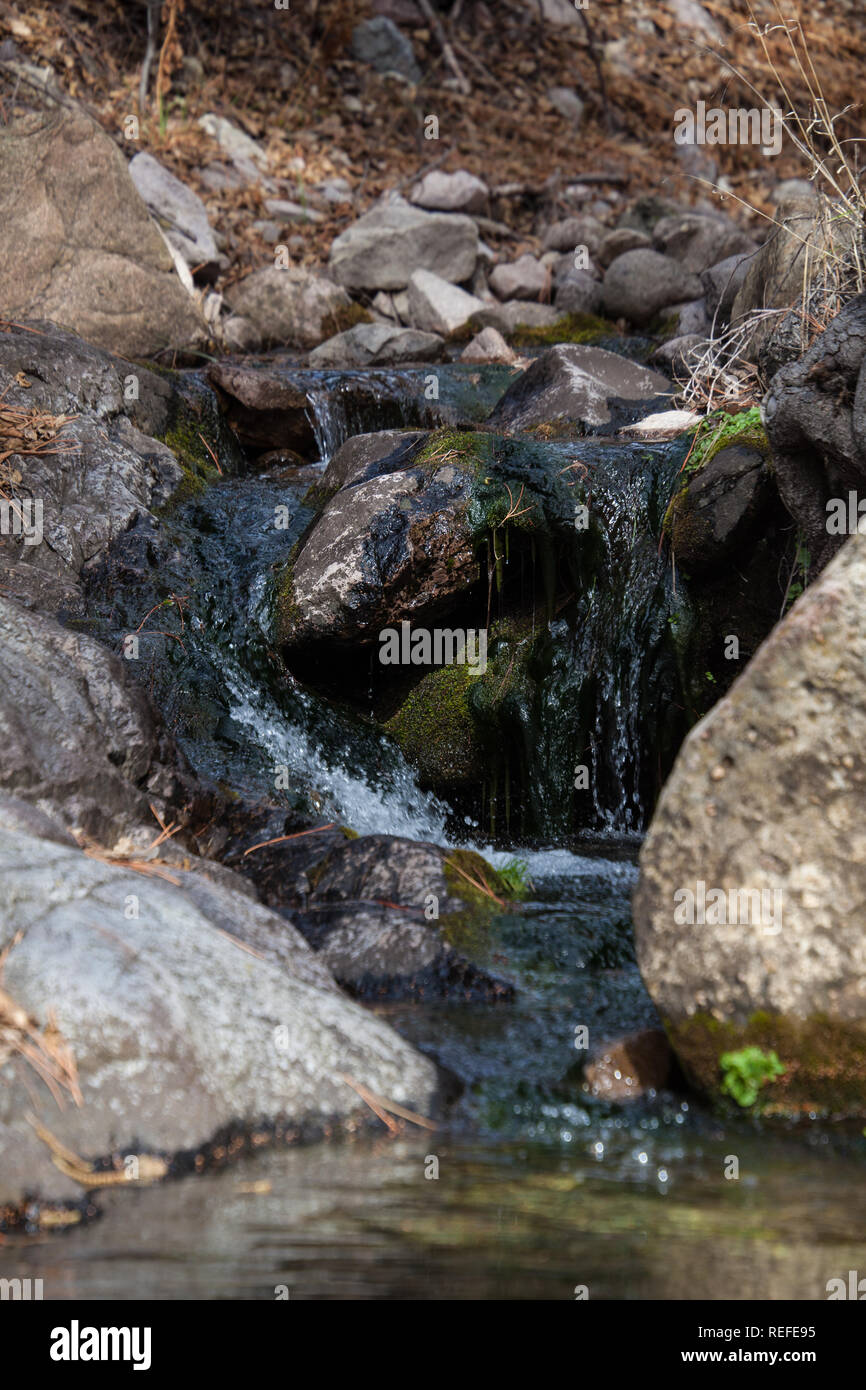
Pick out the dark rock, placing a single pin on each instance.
(720, 508)
(815, 415)
(363, 456)
(574, 383)
(365, 918)
(394, 548)
(629, 1067)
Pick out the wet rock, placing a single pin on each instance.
(81, 248)
(487, 346)
(391, 548)
(176, 1030)
(574, 383)
(105, 471)
(815, 414)
(382, 249)
(377, 344)
(266, 408)
(362, 456)
(180, 212)
(525, 278)
(365, 917)
(697, 242)
(765, 804)
(720, 508)
(436, 306)
(460, 192)
(80, 741)
(381, 44)
(629, 1067)
(293, 307)
(640, 284)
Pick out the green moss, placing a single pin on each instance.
(346, 317)
(185, 436)
(435, 728)
(571, 328)
(720, 430)
(824, 1060)
(347, 833)
(452, 446)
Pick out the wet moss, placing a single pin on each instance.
(824, 1060)
(435, 729)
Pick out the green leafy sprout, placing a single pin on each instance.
(746, 1071)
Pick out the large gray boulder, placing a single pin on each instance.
(80, 246)
(294, 307)
(764, 811)
(80, 740)
(382, 249)
(574, 383)
(188, 1008)
(105, 469)
(640, 284)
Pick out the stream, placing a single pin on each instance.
(541, 1189)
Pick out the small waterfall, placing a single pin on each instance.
(589, 746)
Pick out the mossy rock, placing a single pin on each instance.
(436, 731)
(571, 328)
(824, 1061)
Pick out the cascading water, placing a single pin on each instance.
(544, 1183)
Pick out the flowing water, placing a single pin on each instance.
(531, 1189)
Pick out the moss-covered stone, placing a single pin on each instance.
(571, 328)
(436, 730)
(824, 1060)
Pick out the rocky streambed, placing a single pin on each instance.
(264, 888)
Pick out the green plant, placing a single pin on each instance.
(515, 876)
(721, 429)
(746, 1071)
